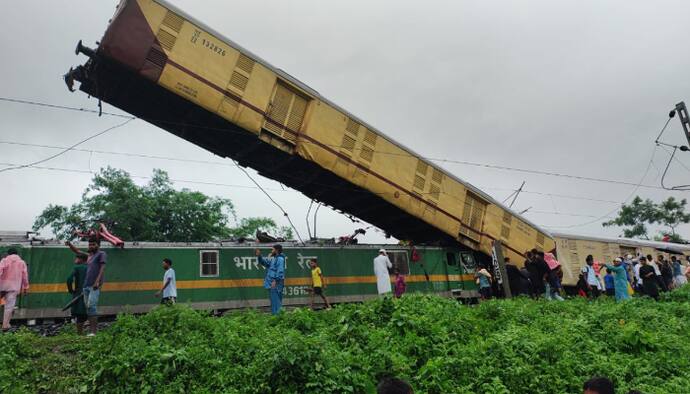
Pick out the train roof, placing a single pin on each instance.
(627, 241)
(34, 242)
(316, 94)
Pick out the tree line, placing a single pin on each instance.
(152, 212)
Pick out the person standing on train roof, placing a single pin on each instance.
(318, 283)
(591, 278)
(620, 280)
(381, 266)
(95, 269)
(275, 276)
(75, 286)
(169, 289)
(649, 282)
(678, 277)
(14, 280)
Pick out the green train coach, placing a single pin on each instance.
(223, 276)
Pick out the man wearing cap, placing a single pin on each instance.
(275, 276)
(381, 266)
(620, 279)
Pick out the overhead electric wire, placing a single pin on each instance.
(210, 162)
(311, 203)
(68, 148)
(439, 160)
(674, 188)
(128, 154)
(272, 200)
(63, 107)
(649, 165)
(491, 166)
(316, 212)
(676, 159)
(72, 170)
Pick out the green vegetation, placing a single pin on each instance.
(439, 346)
(152, 212)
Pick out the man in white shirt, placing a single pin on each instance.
(591, 277)
(381, 266)
(169, 289)
(636, 275)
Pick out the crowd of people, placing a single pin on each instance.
(542, 275)
(642, 275)
(83, 283)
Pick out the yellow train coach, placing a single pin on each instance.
(573, 249)
(161, 65)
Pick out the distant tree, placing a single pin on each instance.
(671, 213)
(153, 212)
(635, 217)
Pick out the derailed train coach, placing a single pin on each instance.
(163, 66)
(572, 250)
(223, 276)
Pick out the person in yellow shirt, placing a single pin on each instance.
(318, 284)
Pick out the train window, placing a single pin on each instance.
(208, 263)
(450, 258)
(468, 262)
(400, 261)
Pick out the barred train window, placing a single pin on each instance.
(399, 260)
(208, 263)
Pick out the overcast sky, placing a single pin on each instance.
(574, 87)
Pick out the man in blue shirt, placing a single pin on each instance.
(275, 276)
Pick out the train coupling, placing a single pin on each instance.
(81, 48)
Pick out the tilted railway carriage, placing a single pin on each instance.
(573, 249)
(227, 276)
(163, 66)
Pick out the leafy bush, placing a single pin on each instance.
(436, 344)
